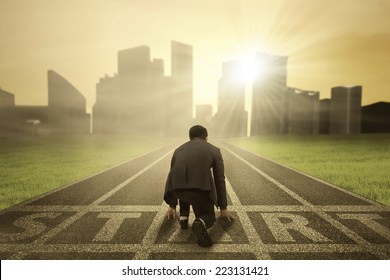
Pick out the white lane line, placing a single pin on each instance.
(254, 240)
(45, 237)
(148, 243)
(26, 202)
(351, 234)
(234, 206)
(192, 248)
(151, 235)
(318, 180)
(97, 208)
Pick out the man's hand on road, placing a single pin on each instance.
(225, 213)
(171, 213)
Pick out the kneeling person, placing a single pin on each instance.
(197, 178)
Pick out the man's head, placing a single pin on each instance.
(198, 131)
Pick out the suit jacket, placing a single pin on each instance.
(197, 165)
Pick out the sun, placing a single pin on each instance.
(249, 68)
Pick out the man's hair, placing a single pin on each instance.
(198, 131)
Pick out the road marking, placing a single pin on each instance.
(151, 235)
(25, 203)
(155, 208)
(280, 230)
(369, 220)
(71, 220)
(351, 234)
(91, 208)
(190, 248)
(31, 227)
(315, 178)
(114, 221)
(256, 244)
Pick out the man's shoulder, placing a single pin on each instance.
(212, 147)
(183, 146)
(198, 144)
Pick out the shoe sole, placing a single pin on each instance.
(201, 232)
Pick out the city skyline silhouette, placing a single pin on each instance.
(327, 45)
(140, 99)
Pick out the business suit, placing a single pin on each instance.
(197, 177)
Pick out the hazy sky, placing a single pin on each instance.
(328, 42)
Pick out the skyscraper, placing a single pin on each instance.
(179, 90)
(303, 111)
(6, 99)
(140, 99)
(65, 113)
(269, 95)
(66, 105)
(231, 118)
(345, 110)
(376, 118)
(131, 101)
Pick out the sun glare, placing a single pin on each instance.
(249, 68)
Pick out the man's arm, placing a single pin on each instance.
(219, 180)
(169, 198)
(220, 184)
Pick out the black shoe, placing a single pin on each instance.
(200, 230)
(183, 224)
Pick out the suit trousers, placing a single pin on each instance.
(202, 205)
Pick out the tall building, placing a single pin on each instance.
(231, 118)
(376, 118)
(269, 95)
(7, 113)
(345, 110)
(303, 111)
(325, 116)
(131, 101)
(106, 112)
(203, 114)
(67, 106)
(65, 113)
(179, 90)
(141, 100)
(7, 99)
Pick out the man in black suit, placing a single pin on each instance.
(191, 181)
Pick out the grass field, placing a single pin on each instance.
(33, 165)
(30, 166)
(359, 163)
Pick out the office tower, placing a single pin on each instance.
(303, 111)
(231, 118)
(106, 116)
(66, 105)
(269, 95)
(179, 90)
(203, 114)
(65, 113)
(345, 110)
(141, 100)
(376, 118)
(7, 113)
(324, 116)
(132, 100)
(134, 63)
(6, 99)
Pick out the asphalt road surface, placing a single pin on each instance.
(119, 214)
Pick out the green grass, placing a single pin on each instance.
(359, 163)
(34, 165)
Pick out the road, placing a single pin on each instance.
(119, 214)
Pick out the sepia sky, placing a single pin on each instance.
(328, 42)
